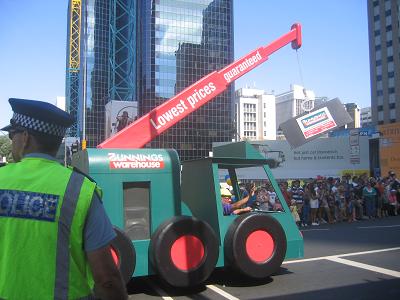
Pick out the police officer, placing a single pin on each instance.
(54, 233)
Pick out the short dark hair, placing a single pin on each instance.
(46, 143)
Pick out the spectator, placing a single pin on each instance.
(298, 196)
(369, 196)
(314, 203)
(393, 202)
(286, 194)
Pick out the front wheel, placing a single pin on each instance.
(183, 251)
(255, 245)
(124, 254)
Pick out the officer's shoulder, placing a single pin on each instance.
(75, 169)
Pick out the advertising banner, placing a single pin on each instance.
(328, 157)
(389, 148)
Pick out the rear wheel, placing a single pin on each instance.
(255, 245)
(124, 254)
(184, 251)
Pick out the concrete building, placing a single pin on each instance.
(292, 103)
(354, 111)
(255, 115)
(384, 46)
(365, 117)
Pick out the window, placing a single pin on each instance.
(378, 55)
(391, 90)
(380, 107)
(380, 115)
(388, 13)
(379, 93)
(392, 105)
(390, 58)
(389, 51)
(389, 43)
(377, 47)
(137, 210)
(388, 28)
(377, 32)
(378, 62)
(379, 78)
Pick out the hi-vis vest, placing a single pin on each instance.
(43, 208)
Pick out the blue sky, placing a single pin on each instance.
(334, 58)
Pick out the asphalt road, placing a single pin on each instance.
(358, 260)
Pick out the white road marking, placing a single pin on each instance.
(365, 266)
(222, 292)
(158, 290)
(383, 226)
(339, 255)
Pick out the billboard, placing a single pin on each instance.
(329, 157)
(119, 114)
(310, 125)
(389, 148)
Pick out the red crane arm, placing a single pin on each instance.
(190, 99)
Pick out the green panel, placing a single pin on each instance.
(238, 150)
(199, 191)
(142, 267)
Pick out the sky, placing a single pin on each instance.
(333, 60)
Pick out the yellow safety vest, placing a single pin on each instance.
(43, 208)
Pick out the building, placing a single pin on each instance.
(354, 111)
(148, 51)
(384, 46)
(254, 115)
(101, 63)
(180, 42)
(292, 103)
(365, 117)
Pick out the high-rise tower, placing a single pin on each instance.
(148, 51)
(384, 46)
(180, 42)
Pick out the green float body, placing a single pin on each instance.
(194, 192)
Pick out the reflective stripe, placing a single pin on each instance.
(67, 212)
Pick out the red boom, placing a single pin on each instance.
(178, 107)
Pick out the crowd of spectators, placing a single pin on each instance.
(346, 199)
(330, 200)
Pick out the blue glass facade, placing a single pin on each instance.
(149, 51)
(180, 42)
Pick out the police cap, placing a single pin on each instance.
(39, 117)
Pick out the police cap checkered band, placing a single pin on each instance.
(38, 125)
(39, 117)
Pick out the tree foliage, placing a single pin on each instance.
(5, 148)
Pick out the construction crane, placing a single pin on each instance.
(73, 64)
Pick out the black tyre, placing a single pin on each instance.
(183, 251)
(124, 254)
(255, 245)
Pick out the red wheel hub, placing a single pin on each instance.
(114, 254)
(187, 252)
(259, 246)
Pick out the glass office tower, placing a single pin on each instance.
(148, 51)
(180, 42)
(107, 66)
